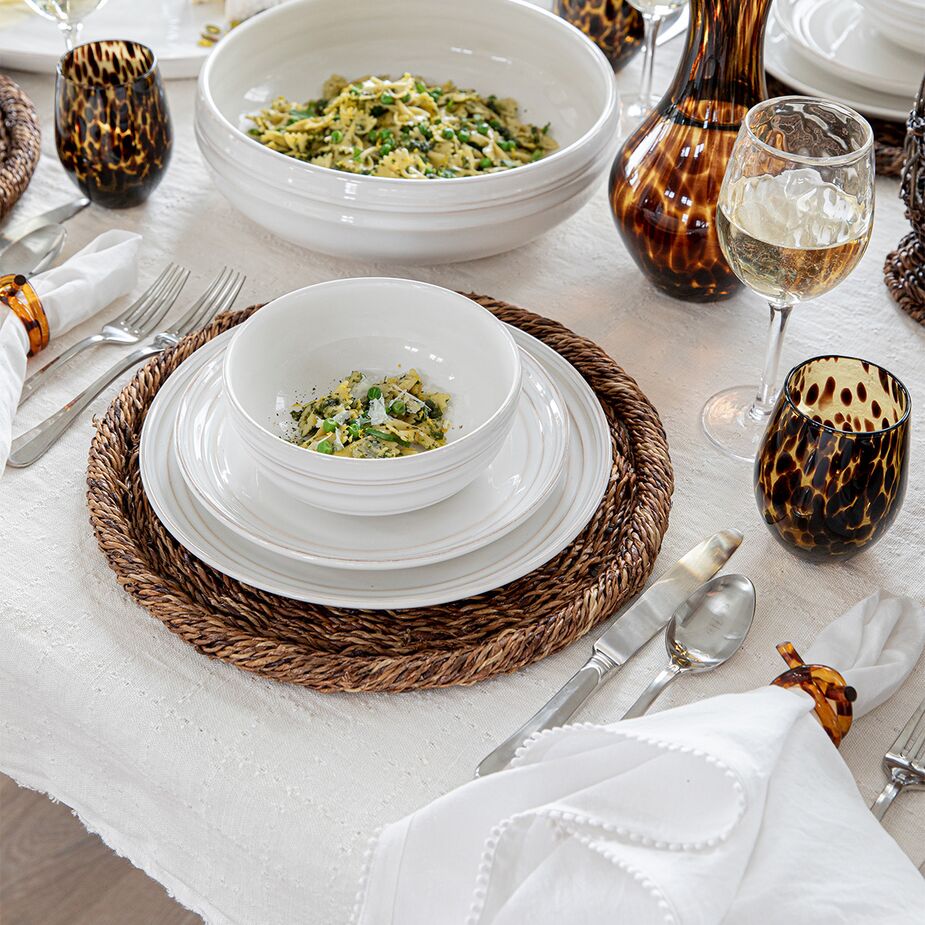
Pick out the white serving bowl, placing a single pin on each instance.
(303, 343)
(507, 47)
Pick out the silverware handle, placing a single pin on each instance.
(38, 377)
(51, 217)
(555, 712)
(649, 695)
(35, 443)
(885, 800)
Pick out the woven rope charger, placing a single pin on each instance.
(20, 143)
(365, 650)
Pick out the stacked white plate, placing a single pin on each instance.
(534, 499)
(867, 54)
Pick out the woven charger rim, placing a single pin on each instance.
(20, 142)
(331, 649)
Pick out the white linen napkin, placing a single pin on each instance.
(736, 809)
(92, 279)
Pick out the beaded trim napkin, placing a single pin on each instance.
(332, 649)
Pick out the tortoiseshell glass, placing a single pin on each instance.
(666, 178)
(613, 25)
(823, 684)
(112, 125)
(832, 468)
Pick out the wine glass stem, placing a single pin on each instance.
(71, 33)
(652, 25)
(767, 391)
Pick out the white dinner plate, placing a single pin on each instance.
(170, 28)
(843, 38)
(783, 61)
(558, 521)
(223, 476)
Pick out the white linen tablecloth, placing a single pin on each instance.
(253, 802)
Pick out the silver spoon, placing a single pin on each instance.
(705, 631)
(34, 251)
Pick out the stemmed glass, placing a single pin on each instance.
(637, 107)
(69, 15)
(794, 218)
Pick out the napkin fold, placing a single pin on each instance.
(83, 285)
(736, 809)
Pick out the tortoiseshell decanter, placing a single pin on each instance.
(665, 180)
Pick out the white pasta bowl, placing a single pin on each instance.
(304, 343)
(506, 47)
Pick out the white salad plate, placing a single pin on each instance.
(224, 477)
(901, 21)
(552, 527)
(170, 28)
(844, 38)
(782, 59)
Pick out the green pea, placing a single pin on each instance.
(357, 154)
(536, 155)
(507, 145)
(325, 447)
(485, 162)
(354, 431)
(386, 99)
(374, 393)
(463, 135)
(448, 133)
(406, 98)
(436, 93)
(482, 127)
(420, 87)
(386, 149)
(329, 426)
(397, 408)
(336, 136)
(496, 125)
(372, 136)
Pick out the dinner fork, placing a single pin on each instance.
(132, 326)
(904, 762)
(219, 297)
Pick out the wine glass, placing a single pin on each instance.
(637, 107)
(68, 15)
(794, 218)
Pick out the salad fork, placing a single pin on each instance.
(219, 297)
(132, 326)
(905, 762)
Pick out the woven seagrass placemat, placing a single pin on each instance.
(20, 143)
(333, 649)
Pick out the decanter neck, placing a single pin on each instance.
(721, 74)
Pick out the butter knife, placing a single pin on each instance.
(629, 633)
(35, 251)
(55, 216)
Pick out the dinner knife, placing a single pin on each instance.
(34, 251)
(55, 216)
(629, 633)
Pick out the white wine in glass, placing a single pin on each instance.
(794, 218)
(69, 15)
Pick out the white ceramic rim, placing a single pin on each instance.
(396, 464)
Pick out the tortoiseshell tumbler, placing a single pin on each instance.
(112, 124)
(832, 468)
(613, 25)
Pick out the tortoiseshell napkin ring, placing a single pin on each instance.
(17, 294)
(823, 684)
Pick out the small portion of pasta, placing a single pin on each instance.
(403, 128)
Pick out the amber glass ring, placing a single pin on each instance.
(17, 294)
(832, 696)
